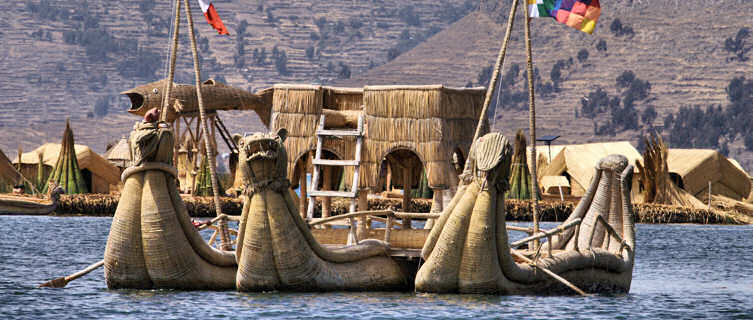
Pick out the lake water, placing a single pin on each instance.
(681, 272)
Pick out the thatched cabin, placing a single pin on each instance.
(693, 169)
(411, 128)
(98, 173)
(119, 154)
(576, 163)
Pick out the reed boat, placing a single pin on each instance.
(26, 205)
(466, 249)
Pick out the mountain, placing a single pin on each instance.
(647, 62)
(678, 47)
(70, 59)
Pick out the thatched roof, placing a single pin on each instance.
(698, 167)
(87, 159)
(579, 160)
(119, 154)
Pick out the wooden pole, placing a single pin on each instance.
(406, 195)
(495, 75)
(532, 125)
(173, 57)
(363, 205)
(303, 184)
(550, 273)
(224, 236)
(327, 185)
(63, 281)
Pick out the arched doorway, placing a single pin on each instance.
(458, 161)
(331, 178)
(405, 171)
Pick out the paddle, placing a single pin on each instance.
(550, 273)
(63, 281)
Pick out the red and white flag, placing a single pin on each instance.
(212, 17)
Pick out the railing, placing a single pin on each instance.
(549, 233)
(612, 234)
(389, 221)
(211, 225)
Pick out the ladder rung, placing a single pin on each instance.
(338, 133)
(323, 162)
(342, 194)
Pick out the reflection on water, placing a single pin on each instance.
(682, 271)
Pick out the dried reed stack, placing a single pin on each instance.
(105, 204)
(520, 176)
(203, 187)
(654, 176)
(66, 172)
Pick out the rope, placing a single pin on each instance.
(496, 106)
(493, 82)
(224, 236)
(532, 124)
(171, 68)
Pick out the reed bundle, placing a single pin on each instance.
(520, 176)
(66, 172)
(106, 204)
(654, 175)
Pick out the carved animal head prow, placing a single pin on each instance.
(263, 156)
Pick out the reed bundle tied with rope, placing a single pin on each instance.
(654, 176)
(67, 172)
(520, 176)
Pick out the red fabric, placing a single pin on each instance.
(214, 19)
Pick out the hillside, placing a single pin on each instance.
(682, 56)
(68, 58)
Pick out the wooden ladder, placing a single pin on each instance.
(318, 162)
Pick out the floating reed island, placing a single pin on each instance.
(104, 205)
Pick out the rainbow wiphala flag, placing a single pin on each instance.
(579, 14)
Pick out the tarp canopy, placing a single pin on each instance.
(698, 167)
(579, 160)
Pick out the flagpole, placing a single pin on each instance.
(532, 125)
(495, 75)
(222, 223)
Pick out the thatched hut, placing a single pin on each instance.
(576, 163)
(693, 170)
(119, 154)
(99, 174)
(410, 128)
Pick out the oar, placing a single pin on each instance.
(551, 273)
(63, 281)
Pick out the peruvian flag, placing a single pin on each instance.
(212, 17)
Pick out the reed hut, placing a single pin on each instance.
(693, 170)
(119, 154)
(100, 176)
(408, 130)
(576, 163)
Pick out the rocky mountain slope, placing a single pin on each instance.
(70, 59)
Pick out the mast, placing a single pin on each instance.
(222, 223)
(224, 235)
(532, 127)
(495, 76)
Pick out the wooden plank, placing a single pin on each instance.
(324, 162)
(338, 133)
(341, 194)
